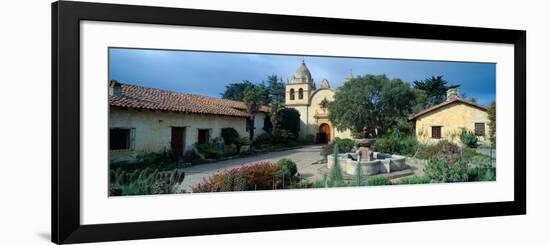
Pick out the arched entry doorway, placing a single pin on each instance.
(323, 136)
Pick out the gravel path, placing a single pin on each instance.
(303, 157)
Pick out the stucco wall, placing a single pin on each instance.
(452, 118)
(304, 129)
(309, 122)
(315, 109)
(259, 124)
(153, 129)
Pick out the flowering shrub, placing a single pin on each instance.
(258, 176)
(442, 147)
(447, 167)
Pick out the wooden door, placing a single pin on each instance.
(177, 144)
(323, 136)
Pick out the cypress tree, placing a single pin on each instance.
(358, 174)
(336, 177)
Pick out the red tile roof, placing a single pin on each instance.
(448, 102)
(139, 97)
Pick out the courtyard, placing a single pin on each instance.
(289, 132)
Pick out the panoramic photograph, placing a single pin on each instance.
(203, 121)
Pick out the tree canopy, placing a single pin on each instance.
(289, 119)
(375, 102)
(254, 98)
(270, 92)
(273, 90)
(235, 91)
(435, 88)
(492, 114)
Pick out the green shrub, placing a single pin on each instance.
(476, 159)
(280, 137)
(245, 141)
(378, 180)
(482, 174)
(230, 136)
(115, 191)
(210, 151)
(396, 141)
(401, 146)
(161, 160)
(344, 146)
(489, 174)
(155, 158)
(468, 153)
(447, 168)
(287, 168)
(284, 137)
(385, 145)
(336, 176)
(468, 138)
(415, 180)
(112, 176)
(264, 139)
(427, 151)
(174, 176)
(358, 175)
(145, 182)
(144, 174)
(309, 139)
(457, 172)
(407, 146)
(121, 177)
(289, 120)
(405, 128)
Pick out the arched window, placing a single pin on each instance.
(291, 94)
(300, 93)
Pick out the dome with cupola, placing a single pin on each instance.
(302, 74)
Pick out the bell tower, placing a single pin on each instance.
(298, 91)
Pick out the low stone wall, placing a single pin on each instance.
(384, 163)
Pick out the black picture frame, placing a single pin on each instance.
(66, 17)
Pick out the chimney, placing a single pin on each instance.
(453, 93)
(115, 88)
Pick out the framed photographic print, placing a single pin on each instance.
(176, 122)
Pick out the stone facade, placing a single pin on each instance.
(451, 117)
(381, 164)
(302, 95)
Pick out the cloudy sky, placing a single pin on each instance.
(207, 73)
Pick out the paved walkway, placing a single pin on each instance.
(303, 157)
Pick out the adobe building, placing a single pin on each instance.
(143, 120)
(447, 120)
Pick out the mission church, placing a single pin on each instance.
(301, 94)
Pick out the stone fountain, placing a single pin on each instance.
(371, 162)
